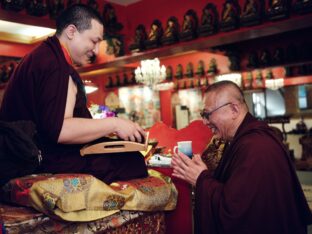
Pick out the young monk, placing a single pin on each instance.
(46, 89)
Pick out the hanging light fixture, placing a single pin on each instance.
(150, 73)
(234, 77)
(274, 84)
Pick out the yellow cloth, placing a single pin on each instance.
(82, 197)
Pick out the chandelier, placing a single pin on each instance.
(150, 73)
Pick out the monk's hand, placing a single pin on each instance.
(129, 131)
(186, 168)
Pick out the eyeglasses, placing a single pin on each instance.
(205, 115)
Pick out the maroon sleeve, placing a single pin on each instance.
(51, 75)
(225, 205)
(37, 90)
(52, 103)
(206, 189)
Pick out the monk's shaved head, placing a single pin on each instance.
(227, 88)
(226, 91)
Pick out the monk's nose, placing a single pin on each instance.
(96, 49)
(205, 121)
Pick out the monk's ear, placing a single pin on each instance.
(70, 31)
(235, 110)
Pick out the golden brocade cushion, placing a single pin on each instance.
(82, 197)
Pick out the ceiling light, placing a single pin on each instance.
(90, 87)
(23, 33)
(124, 2)
(274, 84)
(234, 77)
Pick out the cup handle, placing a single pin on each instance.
(175, 151)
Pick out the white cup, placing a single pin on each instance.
(184, 147)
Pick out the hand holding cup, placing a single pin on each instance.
(184, 147)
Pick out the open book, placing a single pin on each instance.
(114, 147)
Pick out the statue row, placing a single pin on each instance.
(256, 78)
(54, 7)
(125, 80)
(180, 73)
(279, 56)
(189, 72)
(119, 81)
(40, 7)
(249, 82)
(232, 17)
(201, 78)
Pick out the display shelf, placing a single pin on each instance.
(209, 43)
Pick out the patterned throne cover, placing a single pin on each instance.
(24, 191)
(17, 219)
(82, 197)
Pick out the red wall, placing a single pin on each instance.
(14, 50)
(144, 12)
(165, 107)
(165, 96)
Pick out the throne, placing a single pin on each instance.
(63, 202)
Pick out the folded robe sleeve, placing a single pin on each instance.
(38, 90)
(51, 106)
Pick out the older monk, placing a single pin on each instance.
(254, 188)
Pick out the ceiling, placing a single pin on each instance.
(123, 2)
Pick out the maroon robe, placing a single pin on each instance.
(37, 91)
(255, 188)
